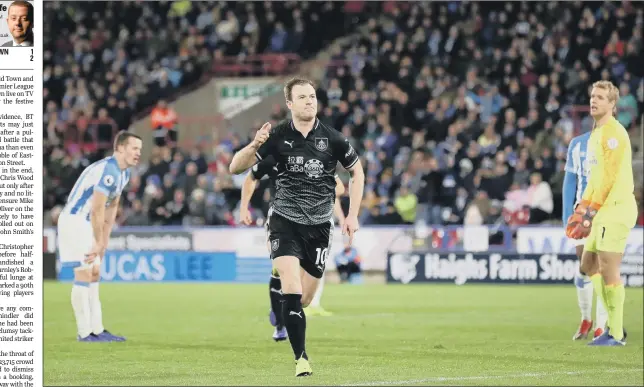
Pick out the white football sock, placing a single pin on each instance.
(584, 295)
(601, 314)
(315, 303)
(95, 307)
(80, 304)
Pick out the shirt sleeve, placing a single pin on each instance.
(344, 152)
(263, 168)
(269, 147)
(107, 182)
(613, 149)
(569, 185)
(570, 163)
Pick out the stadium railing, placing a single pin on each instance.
(77, 137)
(256, 65)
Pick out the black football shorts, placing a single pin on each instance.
(310, 244)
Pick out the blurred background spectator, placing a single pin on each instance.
(462, 112)
(348, 263)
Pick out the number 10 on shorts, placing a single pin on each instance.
(321, 256)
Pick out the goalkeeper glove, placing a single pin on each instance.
(581, 221)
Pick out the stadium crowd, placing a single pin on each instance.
(462, 112)
(106, 63)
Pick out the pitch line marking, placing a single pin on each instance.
(439, 379)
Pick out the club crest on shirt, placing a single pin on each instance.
(612, 143)
(275, 244)
(321, 143)
(108, 180)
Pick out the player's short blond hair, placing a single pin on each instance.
(613, 91)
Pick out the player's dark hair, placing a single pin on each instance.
(288, 88)
(26, 4)
(123, 137)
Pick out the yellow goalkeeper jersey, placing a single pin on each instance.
(611, 185)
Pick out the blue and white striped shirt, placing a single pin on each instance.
(103, 176)
(577, 173)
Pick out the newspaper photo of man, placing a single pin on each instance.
(20, 20)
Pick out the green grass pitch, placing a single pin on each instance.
(218, 334)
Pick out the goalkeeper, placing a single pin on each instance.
(575, 182)
(608, 210)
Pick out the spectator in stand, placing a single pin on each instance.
(157, 212)
(455, 214)
(516, 198)
(626, 106)
(521, 173)
(478, 211)
(104, 127)
(406, 204)
(164, 119)
(540, 199)
(176, 209)
(516, 207)
(136, 216)
(430, 192)
(489, 140)
(348, 263)
(556, 184)
(278, 38)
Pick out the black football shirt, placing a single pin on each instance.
(270, 169)
(305, 182)
(267, 167)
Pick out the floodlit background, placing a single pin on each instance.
(471, 106)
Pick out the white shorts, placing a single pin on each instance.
(75, 239)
